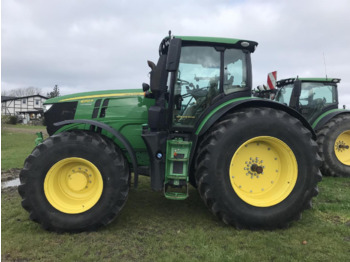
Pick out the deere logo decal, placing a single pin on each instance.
(86, 101)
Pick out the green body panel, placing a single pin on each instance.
(127, 111)
(314, 124)
(205, 120)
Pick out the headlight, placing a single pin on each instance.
(47, 107)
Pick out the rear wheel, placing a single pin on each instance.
(334, 146)
(74, 181)
(258, 168)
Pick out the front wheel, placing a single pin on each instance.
(74, 181)
(258, 168)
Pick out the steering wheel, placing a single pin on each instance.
(183, 82)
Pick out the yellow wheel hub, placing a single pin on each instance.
(73, 185)
(263, 171)
(342, 148)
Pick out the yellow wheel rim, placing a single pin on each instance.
(73, 185)
(263, 171)
(342, 148)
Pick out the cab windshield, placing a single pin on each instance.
(314, 97)
(284, 94)
(201, 77)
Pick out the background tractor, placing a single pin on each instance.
(317, 100)
(253, 161)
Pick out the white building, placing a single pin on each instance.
(27, 107)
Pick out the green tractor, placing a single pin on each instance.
(317, 100)
(254, 161)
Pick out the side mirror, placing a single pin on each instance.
(151, 64)
(173, 57)
(145, 87)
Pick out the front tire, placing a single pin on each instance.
(258, 168)
(74, 181)
(334, 146)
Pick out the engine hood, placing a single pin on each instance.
(91, 96)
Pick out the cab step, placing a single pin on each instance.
(176, 171)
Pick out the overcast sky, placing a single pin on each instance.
(96, 45)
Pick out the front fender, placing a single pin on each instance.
(112, 131)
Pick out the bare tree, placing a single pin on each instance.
(27, 91)
(55, 92)
(4, 93)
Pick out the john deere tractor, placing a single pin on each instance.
(254, 161)
(317, 100)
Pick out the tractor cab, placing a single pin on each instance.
(207, 74)
(310, 96)
(193, 73)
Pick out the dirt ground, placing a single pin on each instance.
(10, 174)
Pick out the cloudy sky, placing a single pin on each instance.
(95, 45)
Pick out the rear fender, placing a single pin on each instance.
(239, 103)
(327, 116)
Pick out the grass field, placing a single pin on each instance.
(151, 228)
(17, 141)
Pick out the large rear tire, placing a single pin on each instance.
(334, 146)
(258, 168)
(74, 181)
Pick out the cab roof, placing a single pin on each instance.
(230, 42)
(311, 79)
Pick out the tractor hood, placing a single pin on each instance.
(91, 96)
(103, 106)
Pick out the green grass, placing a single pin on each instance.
(24, 127)
(152, 228)
(15, 147)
